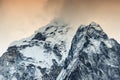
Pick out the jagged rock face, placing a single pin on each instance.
(97, 59)
(49, 54)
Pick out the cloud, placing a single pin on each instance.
(53, 7)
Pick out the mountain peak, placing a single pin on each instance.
(91, 56)
(92, 25)
(95, 26)
(93, 30)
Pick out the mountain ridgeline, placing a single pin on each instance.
(51, 53)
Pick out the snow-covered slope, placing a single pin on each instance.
(52, 53)
(41, 52)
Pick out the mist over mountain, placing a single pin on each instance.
(56, 52)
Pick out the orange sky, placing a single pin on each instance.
(20, 18)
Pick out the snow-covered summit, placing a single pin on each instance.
(96, 26)
(92, 56)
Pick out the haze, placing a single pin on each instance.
(20, 18)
